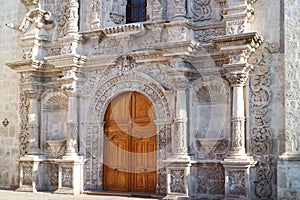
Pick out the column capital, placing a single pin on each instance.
(237, 75)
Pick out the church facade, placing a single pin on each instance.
(186, 99)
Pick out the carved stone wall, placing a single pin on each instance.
(174, 47)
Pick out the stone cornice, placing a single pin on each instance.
(66, 61)
(238, 41)
(26, 65)
(182, 48)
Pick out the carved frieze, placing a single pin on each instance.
(108, 46)
(201, 10)
(205, 35)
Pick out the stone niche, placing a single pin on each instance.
(54, 115)
(210, 118)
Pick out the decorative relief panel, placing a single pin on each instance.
(210, 179)
(177, 182)
(205, 35)
(67, 177)
(108, 46)
(162, 181)
(201, 10)
(176, 34)
(27, 174)
(94, 156)
(51, 176)
(261, 135)
(235, 27)
(237, 184)
(24, 133)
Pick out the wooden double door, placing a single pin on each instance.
(130, 160)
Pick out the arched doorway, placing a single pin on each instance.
(130, 152)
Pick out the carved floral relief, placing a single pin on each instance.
(261, 135)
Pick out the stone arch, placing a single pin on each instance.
(131, 82)
(138, 82)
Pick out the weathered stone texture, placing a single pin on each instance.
(288, 166)
(10, 11)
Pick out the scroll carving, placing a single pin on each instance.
(261, 137)
(177, 181)
(237, 183)
(201, 10)
(24, 134)
(67, 177)
(211, 179)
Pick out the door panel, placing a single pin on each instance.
(130, 144)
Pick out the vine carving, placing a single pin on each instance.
(261, 138)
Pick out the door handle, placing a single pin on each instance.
(115, 169)
(145, 170)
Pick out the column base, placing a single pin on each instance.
(178, 170)
(237, 181)
(70, 176)
(29, 173)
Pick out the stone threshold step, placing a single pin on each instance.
(125, 194)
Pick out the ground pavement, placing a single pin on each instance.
(12, 195)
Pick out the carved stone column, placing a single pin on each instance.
(179, 9)
(73, 17)
(34, 122)
(237, 163)
(72, 123)
(237, 76)
(178, 165)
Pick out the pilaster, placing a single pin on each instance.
(237, 48)
(178, 165)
